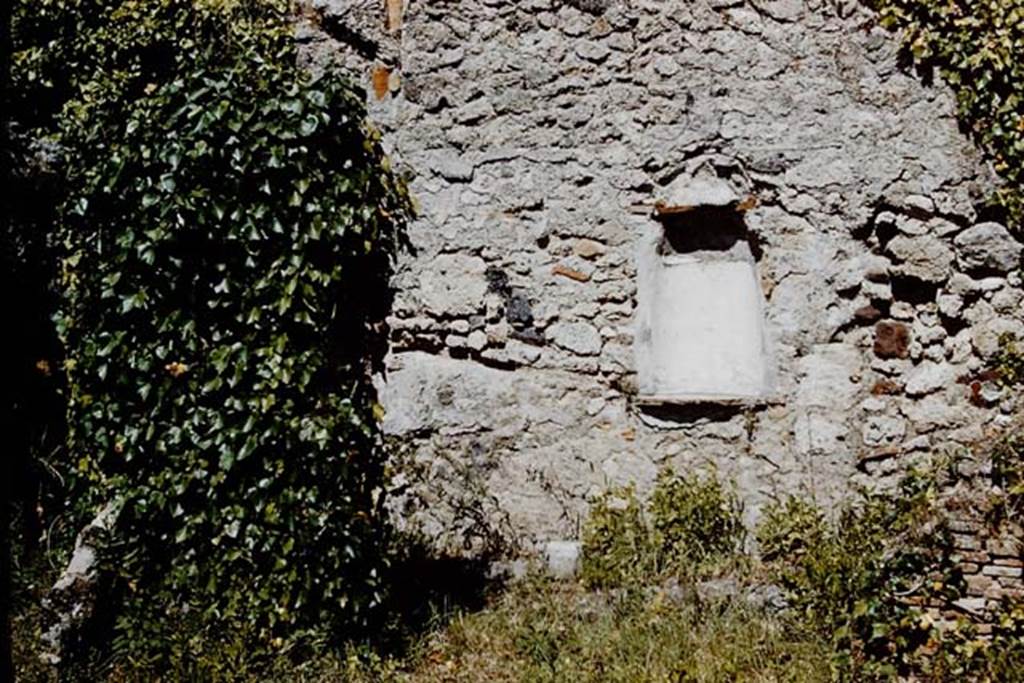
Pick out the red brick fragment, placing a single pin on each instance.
(892, 340)
(885, 387)
(380, 75)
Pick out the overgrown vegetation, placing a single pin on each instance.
(227, 226)
(549, 631)
(865, 587)
(692, 523)
(858, 580)
(1008, 452)
(976, 46)
(544, 631)
(847, 581)
(857, 586)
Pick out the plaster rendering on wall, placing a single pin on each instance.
(700, 320)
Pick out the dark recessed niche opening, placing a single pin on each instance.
(913, 290)
(705, 229)
(884, 232)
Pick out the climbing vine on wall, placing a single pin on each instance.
(976, 45)
(228, 226)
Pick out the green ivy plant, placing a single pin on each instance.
(229, 224)
(976, 46)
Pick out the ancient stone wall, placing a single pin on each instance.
(542, 136)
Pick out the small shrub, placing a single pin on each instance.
(1009, 361)
(963, 654)
(691, 523)
(617, 548)
(1007, 456)
(695, 520)
(790, 529)
(856, 580)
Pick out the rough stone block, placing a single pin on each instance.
(929, 377)
(999, 570)
(562, 558)
(581, 338)
(925, 257)
(988, 247)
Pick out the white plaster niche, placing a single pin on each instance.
(700, 319)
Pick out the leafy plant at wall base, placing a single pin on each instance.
(858, 580)
(690, 523)
(616, 549)
(964, 654)
(229, 229)
(1009, 361)
(1007, 454)
(790, 529)
(695, 520)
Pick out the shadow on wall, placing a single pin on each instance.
(428, 589)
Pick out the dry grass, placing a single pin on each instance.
(542, 631)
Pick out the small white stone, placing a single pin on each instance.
(973, 605)
(962, 284)
(798, 203)
(918, 443)
(958, 348)
(873, 404)
(498, 332)
(685, 191)
(581, 338)
(890, 366)
(911, 226)
(881, 430)
(928, 334)
(920, 203)
(666, 65)
(997, 570)
(940, 227)
(877, 291)
(455, 341)
(453, 168)
(991, 284)
(562, 558)
(928, 377)
(594, 406)
(950, 305)
(901, 310)
(588, 249)
(592, 51)
(477, 340)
